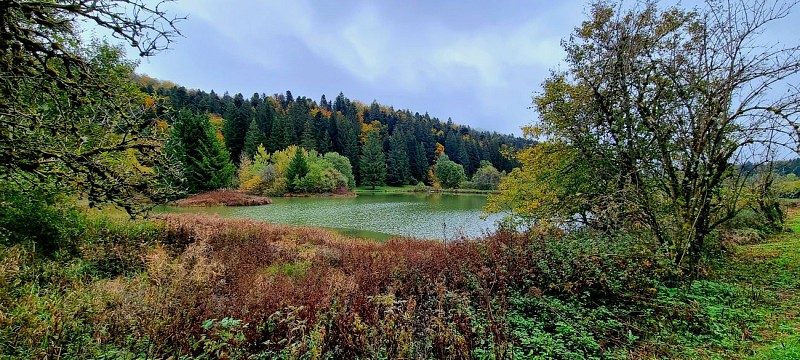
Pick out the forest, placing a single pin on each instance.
(649, 211)
(410, 144)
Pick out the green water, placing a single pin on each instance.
(376, 216)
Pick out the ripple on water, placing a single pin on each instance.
(431, 217)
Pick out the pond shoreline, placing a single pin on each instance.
(435, 216)
(221, 198)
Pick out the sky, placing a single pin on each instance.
(479, 63)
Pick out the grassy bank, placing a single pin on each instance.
(208, 287)
(223, 198)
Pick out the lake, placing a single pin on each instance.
(377, 216)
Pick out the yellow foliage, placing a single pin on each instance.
(542, 189)
(250, 184)
(439, 150)
(149, 102)
(367, 128)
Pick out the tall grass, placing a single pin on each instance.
(211, 287)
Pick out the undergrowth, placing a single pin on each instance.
(206, 287)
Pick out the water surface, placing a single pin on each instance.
(377, 216)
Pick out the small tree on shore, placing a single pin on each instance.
(449, 173)
(297, 169)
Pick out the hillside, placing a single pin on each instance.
(411, 141)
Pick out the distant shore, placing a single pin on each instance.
(222, 198)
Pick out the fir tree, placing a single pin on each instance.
(206, 163)
(307, 139)
(398, 169)
(347, 139)
(238, 115)
(373, 165)
(297, 169)
(420, 170)
(253, 138)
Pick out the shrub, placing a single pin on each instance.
(487, 177)
(39, 218)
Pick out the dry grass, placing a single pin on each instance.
(314, 286)
(223, 198)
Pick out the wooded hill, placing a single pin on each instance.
(411, 141)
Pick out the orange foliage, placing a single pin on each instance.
(149, 102)
(439, 150)
(161, 125)
(367, 128)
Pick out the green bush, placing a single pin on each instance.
(487, 177)
(38, 218)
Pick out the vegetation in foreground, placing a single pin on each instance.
(208, 287)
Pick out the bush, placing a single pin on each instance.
(487, 177)
(449, 173)
(38, 218)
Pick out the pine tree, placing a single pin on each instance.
(297, 117)
(238, 115)
(307, 139)
(326, 145)
(265, 115)
(297, 169)
(280, 137)
(373, 165)
(347, 139)
(420, 170)
(206, 162)
(398, 169)
(253, 138)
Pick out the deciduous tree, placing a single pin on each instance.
(449, 173)
(658, 105)
(69, 112)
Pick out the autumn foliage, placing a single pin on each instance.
(307, 291)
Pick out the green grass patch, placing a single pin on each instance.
(295, 270)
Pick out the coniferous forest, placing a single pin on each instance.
(411, 143)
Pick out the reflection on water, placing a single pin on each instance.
(376, 216)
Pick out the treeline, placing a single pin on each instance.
(410, 142)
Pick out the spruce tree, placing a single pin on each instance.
(307, 140)
(206, 163)
(238, 115)
(373, 165)
(253, 138)
(265, 115)
(297, 169)
(398, 169)
(420, 170)
(348, 140)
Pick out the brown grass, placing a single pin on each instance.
(314, 286)
(223, 198)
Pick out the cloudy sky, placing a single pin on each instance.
(476, 62)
